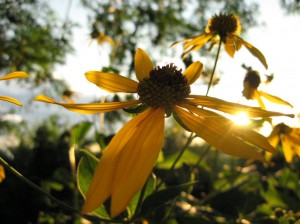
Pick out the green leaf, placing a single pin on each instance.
(151, 183)
(161, 197)
(79, 131)
(85, 172)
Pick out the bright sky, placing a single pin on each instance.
(278, 41)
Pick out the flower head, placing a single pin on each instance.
(13, 75)
(289, 138)
(131, 154)
(251, 83)
(224, 28)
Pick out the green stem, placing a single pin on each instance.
(203, 154)
(188, 142)
(214, 68)
(36, 187)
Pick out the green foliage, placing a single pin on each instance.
(157, 23)
(32, 39)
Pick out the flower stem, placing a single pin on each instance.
(188, 142)
(214, 68)
(36, 187)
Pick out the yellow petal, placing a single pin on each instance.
(217, 121)
(257, 96)
(231, 108)
(142, 64)
(254, 51)
(89, 108)
(193, 72)
(101, 185)
(218, 136)
(275, 99)
(232, 44)
(11, 100)
(287, 147)
(127, 162)
(14, 75)
(274, 137)
(138, 158)
(199, 40)
(112, 82)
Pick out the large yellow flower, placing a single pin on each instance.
(250, 92)
(130, 156)
(13, 75)
(289, 138)
(224, 28)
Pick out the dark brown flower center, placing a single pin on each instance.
(165, 87)
(223, 24)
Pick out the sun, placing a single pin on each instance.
(241, 118)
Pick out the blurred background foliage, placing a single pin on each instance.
(204, 186)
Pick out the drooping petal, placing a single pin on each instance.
(11, 100)
(142, 64)
(101, 185)
(257, 96)
(217, 121)
(112, 82)
(199, 40)
(254, 51)
(275, 99)
(231, 108)
(232, 45)
(218, 136)
(274, 137)
(193, 72)
(127, 162)
(14, 75)
(137, 160)
(287, 148)
(89, 108)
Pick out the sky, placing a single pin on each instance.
(278, 40)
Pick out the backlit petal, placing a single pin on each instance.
(193, 72)
(11, 100)
(287, 148)
(254, 51)
(275, 99)
(112, 82)
(246, 134)
(138, 158)
(89, 108)
(219, 137)
(199, 40)
(101, 185)
(232, 44)
(231, 108)
(14, 75)
(142, 64)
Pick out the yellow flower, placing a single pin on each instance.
(289, 138)
(101, 38)
(250, 92)
(2, 173)
(13, 75)
(224, 28)
(130, 156)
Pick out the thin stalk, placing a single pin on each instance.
(203, 154)
(62, 204)
(36, 187)
(214, 68)
(188, 142)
